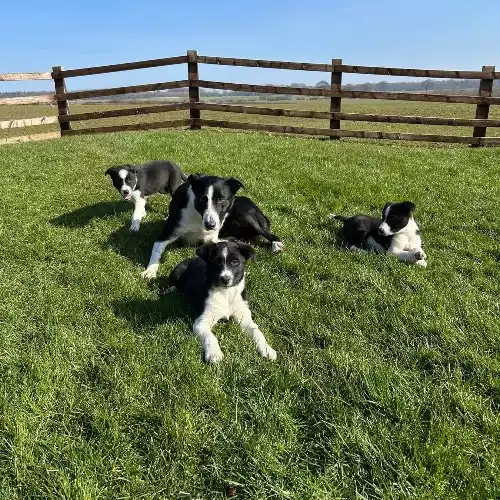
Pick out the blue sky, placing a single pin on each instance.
(441, 34)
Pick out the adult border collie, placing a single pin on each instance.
(205, 208)
(214, 283)
(136, 182)
(396, 233)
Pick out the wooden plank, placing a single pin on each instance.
(28, 122)
(360, 134)
(29, 138)
(150, 87)
(416, 73)
(62, 104)
(124, 128)
(261, 63)
(344, 68)
(111, 68)
(483, 110)
(362, 117)
(144, 110)
(14, 77)
(349, 94)
(34, 99)
(194, 90)
(335, 102)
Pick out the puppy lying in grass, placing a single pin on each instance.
(396, 233)
(214, 283)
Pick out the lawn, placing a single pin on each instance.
(387, 382)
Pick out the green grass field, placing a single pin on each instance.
(387, 382)
(348, 106)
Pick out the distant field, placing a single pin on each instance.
(348, 105)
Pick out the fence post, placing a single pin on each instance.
(335, 102)
(483, 110)
(62, 106)
(194, 90)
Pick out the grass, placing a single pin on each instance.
(348, 106)
(387, 383)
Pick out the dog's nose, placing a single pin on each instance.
(209, 225)
(225, 280)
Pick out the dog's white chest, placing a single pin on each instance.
(224, 302)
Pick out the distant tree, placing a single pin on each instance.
(382, 86)
(302, 85)
(322, 84)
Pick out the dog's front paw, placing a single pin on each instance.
(277, 246)
(134, 227)
(422, 263)
(150, 272)
(420, 255)
(267, 352)
(213, 353)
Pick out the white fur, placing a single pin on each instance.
(385, 229)
(139, 210)
(125, 189)
(190, 230)
(226, 273)
(406, 244)
(227, 302)
(277, 246)
(210, 215)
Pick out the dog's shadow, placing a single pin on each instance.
(83, 216)
(136, 247)
(143, 314)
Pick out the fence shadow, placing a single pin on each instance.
(83, 216)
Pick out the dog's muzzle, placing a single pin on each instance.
(384, 229)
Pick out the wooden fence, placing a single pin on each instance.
(61, 98)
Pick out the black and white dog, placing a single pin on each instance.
(214, 283)
(205, 208)
(396, 233)
(136, 182)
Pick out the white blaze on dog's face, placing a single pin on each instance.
(395, 217)
(213, 198)
(124, 178)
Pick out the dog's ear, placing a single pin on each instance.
(409, 205)
(194, 177)
(386, 206)
(234, 184)
(111, 171)
(205, 251)
(247, 251)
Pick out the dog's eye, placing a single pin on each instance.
(222, 203)
(235, 262)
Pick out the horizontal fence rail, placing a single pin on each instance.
(357, 117)
(193, 83)
(344, 68)
(349, 94)
(14, 77)
(96, 70)
(360, 134)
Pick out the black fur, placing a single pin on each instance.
(195, 277)
(150, 178)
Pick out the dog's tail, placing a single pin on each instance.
(338, 217)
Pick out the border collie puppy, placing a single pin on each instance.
(136, 182)
(396, 233)
(214, 283)
(205, 207)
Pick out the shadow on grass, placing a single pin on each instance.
(169, 307)
(135, 246)
(84, 215)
